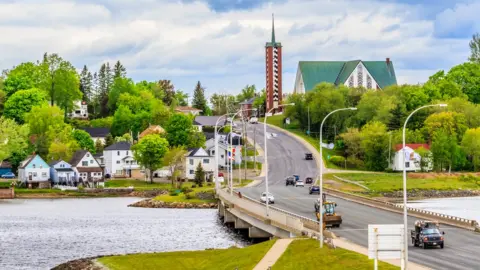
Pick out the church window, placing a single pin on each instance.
(369, 82)
(350, 82)
(360, 75)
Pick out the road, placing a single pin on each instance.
(286, 157)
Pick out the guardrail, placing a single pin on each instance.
(442, 218)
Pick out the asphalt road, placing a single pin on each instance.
(286, 157)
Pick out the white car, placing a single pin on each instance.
(263, 198)
(253, 120)
(299, 183)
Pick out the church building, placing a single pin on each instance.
(369, 74)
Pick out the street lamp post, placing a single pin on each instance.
(266, 151)
(216, 153)
(405, 237)
(321, 170)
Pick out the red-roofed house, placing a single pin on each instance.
(412, 158)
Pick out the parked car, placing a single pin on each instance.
(263, 198)
(299, 183)
(427, 234)
(308, 156)
(290, 181)
(253, 120)
(9, 175)
(314, 189)
(309, 180)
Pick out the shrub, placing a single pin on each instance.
(338, 160)
(80, 187)
(189, 195)
(355, 163)
(194, 186)
(173, 192)
(186, 190)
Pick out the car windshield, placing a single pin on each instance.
(431, 231)
(264, 194)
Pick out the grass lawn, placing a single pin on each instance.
(306, 254)
(228, 259)
(138, 184)
(386, 182)
(277, 120)
(250, 165)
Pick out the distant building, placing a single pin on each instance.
(61, 173)
(80, 110)
(153, 129)
(198, 156)
(208, 121)
(412, 158)
(273, 68)
(188, 110)
(97, 133)
(86, 168)
(119, 161)
(35, 172)
(5, 167)
(369, 74)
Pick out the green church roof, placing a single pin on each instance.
(337, 72)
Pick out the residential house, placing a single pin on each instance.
(357, 73)
(100, 159)
(412, 158)
(5, 167)
(61, 173)
(97, 133)
(80, 110)
(120, 163)
(223, 149)
(197, 156)
(35, 172)
(209, 121)
(153, 129)
(86, 168)
(188, 110)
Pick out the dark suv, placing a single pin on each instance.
(308, 156)
(290, 181)
(314, 189)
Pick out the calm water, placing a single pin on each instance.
(468, 207)
(40, 234)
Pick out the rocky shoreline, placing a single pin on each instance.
(430, 194)
(94, 193)
(151, 203)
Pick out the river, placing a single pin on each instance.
(468, 207)
(40, 234)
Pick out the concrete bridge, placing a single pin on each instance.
(246, 213)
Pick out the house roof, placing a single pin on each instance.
(77, 156)
(187, 109)
(248, 101)
(118, 146)
(155, 129)
(337, 72)
(27, 161)
(97, 132)
(53, 163)
(5, 164)
(193, 151)
(208, 121)
(414, 146)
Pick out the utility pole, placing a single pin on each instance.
(308, 120)
(245, 146)
(255, 149)
(390, 149)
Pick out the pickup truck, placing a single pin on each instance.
(427, 234)
(290, 181)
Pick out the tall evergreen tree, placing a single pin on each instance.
(119, 70)
(475, 48)
(168, 91)
(396, 119)
(86, 84)
(105, 81)
(199, 100)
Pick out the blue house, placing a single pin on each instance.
(61, 173)
(34, 171)
(5, 167)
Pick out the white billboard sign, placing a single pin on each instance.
(385, 241)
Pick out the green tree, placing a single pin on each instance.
(199, 100)
(21, 102)
(119, 71)
(181, 97)
(120, 86)
(425, 158)
(352, 140)
(179, 128)
(122, 121)
(102, 122)
(86, 84)
(440, 87)
(46, 126)
(84, 140)
(105, 82)
(444, 150)
(375, 145)
(475, 48)
(247, 92)
(149, 152)
(22, 77)
(63, 145)
(99, 146)
(260, 101)
(13, 138)
(3, 98)
(168, 91)
(174, 159)
(471, 145)
(196, 139)
(375, 106)
(467, 77)
(469, 110)
(109, 140)
(453, 124)
(397, 115)
(199, 175)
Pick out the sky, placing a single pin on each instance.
(221, 42)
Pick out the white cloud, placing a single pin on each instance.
(187, 42)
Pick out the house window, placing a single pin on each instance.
(213, 152)
(84, 163)
(222, 156)
(118, 153)
(127, 153)
(44, 174)
(360, 75)
(206, 160)
(191, 161)
(351, 82)
(91, 161)
(192, 172)
(88, 155)
(369, 82)
(118, 161)
(34, 166)
(407, 164)
(34, 174)
(126, 161)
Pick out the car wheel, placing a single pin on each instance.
(424, 246)
(441, 246)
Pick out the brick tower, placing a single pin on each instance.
(273, 60)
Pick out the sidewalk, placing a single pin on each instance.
(273, 254)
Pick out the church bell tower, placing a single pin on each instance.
(273, 60)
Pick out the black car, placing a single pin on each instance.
(427, 234)
(290, 181)
(314, 189)
(308, 156)
(308, 180)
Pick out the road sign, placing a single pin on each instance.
(287, 121)
(385, 241)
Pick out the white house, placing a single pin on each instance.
(198, 156)
(97, 133)
(86, 168)
(412, 158)
(80, 110)
(34, 171)
(119, 161)
(223, 150)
